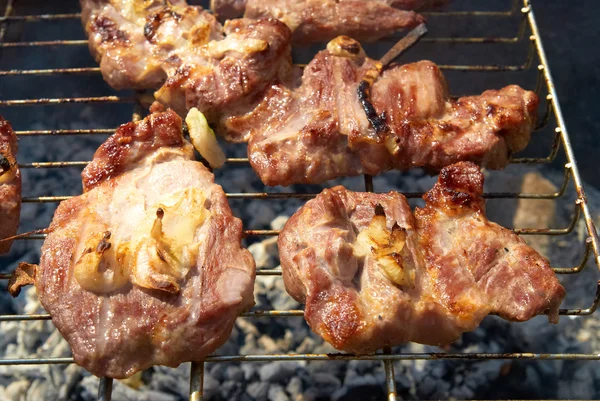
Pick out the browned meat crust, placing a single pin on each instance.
(453, 269)
(10, 185)
(322, 20)
(146, 267)
(347, 118)
(319, 21)
(254, 54)
(228, 9)
(186, 53)
(130, 144)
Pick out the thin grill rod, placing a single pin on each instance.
(426, 356)
(545, 160)
(390, 378)
(582, 263)
(255, 314)
(41, 17)
(400, 357)
(79, 42)
(552, 231)
(50, 71)
(99, 99)
(259, 272)
(564, 135)
(56, 132)
(105, 389)
(7, 11)
(546, 116)
(196, 381)
(299, 312)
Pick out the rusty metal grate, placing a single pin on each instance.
(527, 32)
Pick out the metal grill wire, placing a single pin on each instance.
(536, 59)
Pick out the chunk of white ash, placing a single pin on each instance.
(279, 222)
(265, 253)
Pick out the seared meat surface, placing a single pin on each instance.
(140, 43)
(146, 266)
(185, 52)
(10, 185)
(322, 20)
(348, 118)
(372, 274)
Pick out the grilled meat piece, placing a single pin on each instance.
(231, 73)
(347, 118)
(146, 266)
(140, 43)
(372, 274)
(322, 20)
(10, 185)
(228, 9)
(186, 53)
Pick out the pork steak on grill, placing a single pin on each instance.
(185, 52)
(322, 20)
(10, 186)
(349, 117)
(228, 9)
(373, 274)
(146, 266)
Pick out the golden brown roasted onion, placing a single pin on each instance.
(385, 247)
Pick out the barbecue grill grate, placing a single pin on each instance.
(536, 59)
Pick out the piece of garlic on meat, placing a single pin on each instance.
(203, 138)
(218, 48)
(164, 255)
(385, 247)
(343, 46)
(99, 268)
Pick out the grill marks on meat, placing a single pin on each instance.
(320, 21)
(146, 267)
(321, 130)
(138, 43)
(10, 185)
(231, 73)
(450, 266)
(184, 51)
(509, 276)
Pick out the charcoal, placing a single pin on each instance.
(277, 393)
(259, 391)
(234, 373)
(278, 372)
